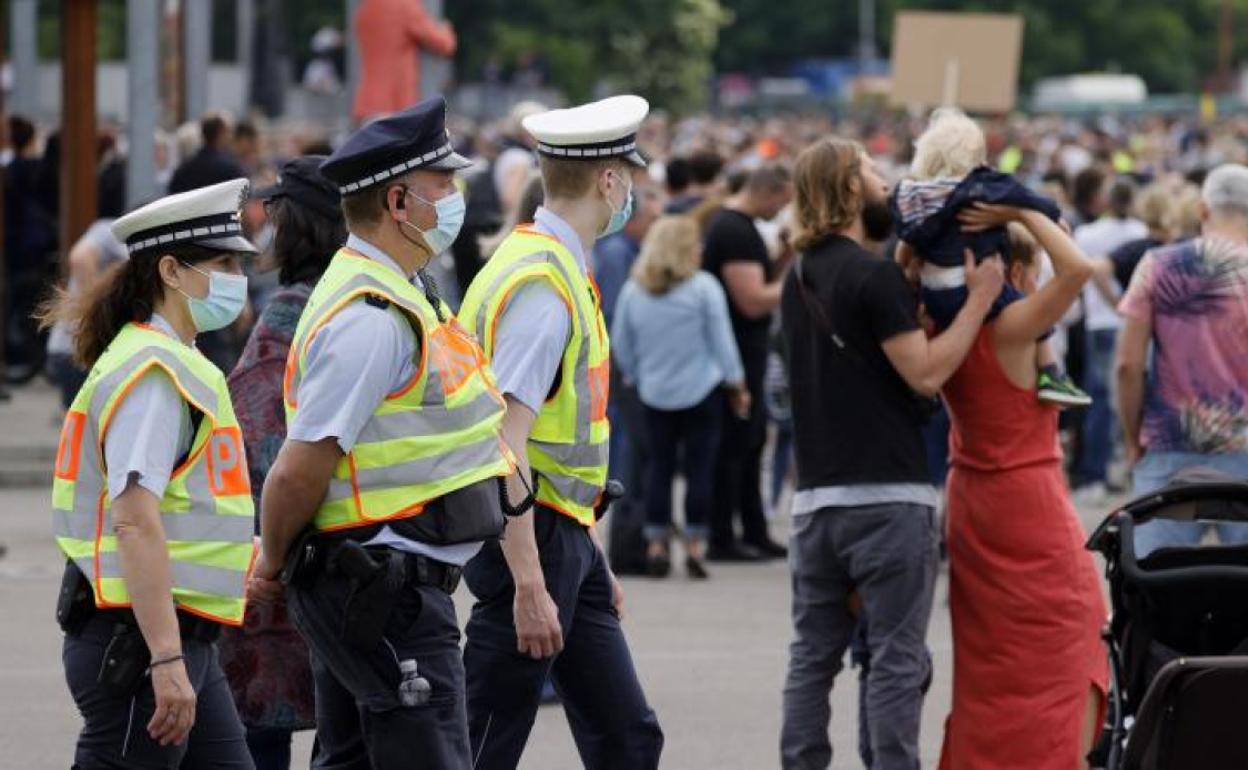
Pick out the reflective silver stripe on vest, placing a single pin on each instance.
(428, 422)
(572, 488)
(581, 374)
(218, 581)
(576, 455)
(433, 386)
(426, 470)
(196, 526)
(198, 391)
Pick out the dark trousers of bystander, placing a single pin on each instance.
(738, 464)
(691, 435)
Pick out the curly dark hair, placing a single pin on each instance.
(304, 240)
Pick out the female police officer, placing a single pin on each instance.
(151, 499)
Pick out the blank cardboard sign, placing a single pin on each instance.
(969, 60)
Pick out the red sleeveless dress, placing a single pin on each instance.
(1024, 594)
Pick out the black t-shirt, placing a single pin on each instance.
(732, 237)
(855, 419)
(1127, 257)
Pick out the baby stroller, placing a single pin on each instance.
(1177, 564)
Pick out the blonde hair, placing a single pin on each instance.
(827, 182)
(951, 147)
(1157, 208)
(1188, 209)
(669, 254)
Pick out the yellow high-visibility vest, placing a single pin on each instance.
(569, 441)
(207, 510)
(440, 433)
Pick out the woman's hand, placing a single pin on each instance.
(175, 704)
(980, 216)
(739, 401)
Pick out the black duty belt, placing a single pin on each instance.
(191, 627)
(421, 570)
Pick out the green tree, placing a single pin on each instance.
(660, 48)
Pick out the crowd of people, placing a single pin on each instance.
(855, 323)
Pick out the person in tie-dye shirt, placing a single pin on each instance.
(1186, 405)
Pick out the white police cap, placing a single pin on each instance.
(594, 131)
(207, 216)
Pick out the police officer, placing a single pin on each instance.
(547, 603)
(151, 499)
(393, 458)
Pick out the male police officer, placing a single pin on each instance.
(547, 602)
(394, 456)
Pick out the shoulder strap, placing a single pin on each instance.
(923, 407)
(820, 316)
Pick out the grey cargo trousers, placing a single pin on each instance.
(888, 554)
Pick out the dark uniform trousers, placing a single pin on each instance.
(114, 733)
(360, 722)
(611, 722)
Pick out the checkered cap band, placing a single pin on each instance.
(397, 169)
(186, 231)
(588, 151)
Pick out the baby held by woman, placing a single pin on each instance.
(949, 175)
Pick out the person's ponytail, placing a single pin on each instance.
(127, 291)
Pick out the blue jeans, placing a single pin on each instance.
(692, 435)
(1155, 470)
(1098, 420)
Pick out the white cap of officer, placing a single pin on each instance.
(207, 216)
(594, 131)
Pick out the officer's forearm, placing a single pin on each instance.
(144, 557)
(519, 541)
(520, 550)
(293, 490)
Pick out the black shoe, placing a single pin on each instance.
(695, 568)
(736, 552)
(769, 548)
(658, 566)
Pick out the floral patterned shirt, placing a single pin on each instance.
(1195, 295)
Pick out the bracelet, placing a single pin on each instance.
(163, 661)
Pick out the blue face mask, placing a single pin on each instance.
(450, 211)
(227, 294)
(619, 218)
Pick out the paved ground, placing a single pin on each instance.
(712, 655)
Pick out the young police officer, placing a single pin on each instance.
(151, 498)
(393, 455)
(547, 604)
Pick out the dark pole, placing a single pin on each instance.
(4, 253)
(78, 153)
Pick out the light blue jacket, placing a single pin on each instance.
(675, 347)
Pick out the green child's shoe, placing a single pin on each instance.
(1055, 387)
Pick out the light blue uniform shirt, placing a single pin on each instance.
(535, 326)
(358, 358)
(677, 347)
(139, 446)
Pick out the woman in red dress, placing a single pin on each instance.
(1030, 670)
